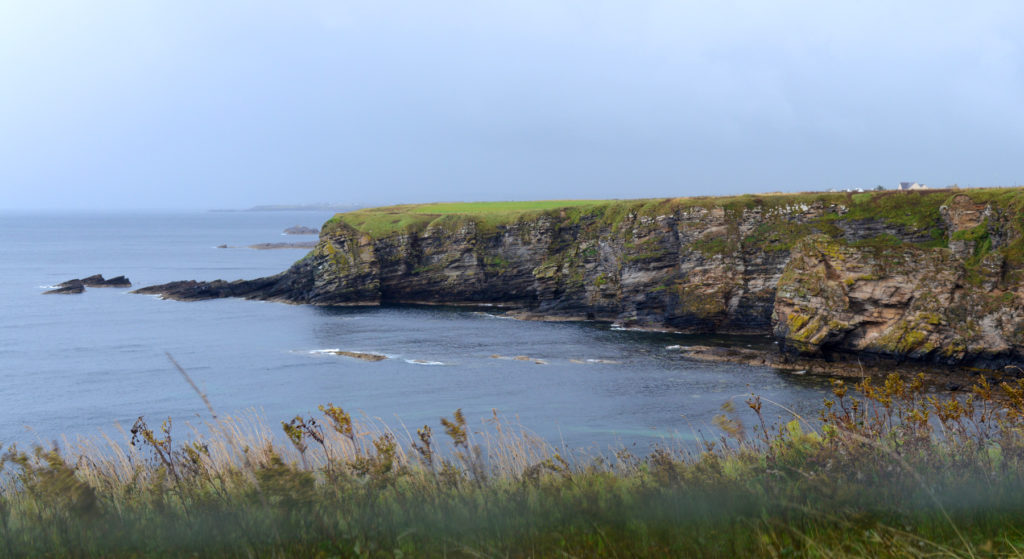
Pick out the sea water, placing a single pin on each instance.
(85, 364)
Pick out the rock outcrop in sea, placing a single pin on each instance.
(932, 276)
(73, 287)
(97, 280)
(273, 246)
(79, 285)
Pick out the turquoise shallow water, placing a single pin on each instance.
(83, 363)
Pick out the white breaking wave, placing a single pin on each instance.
(422, 362)
(620, 328)
(337, 351)
(489, 315)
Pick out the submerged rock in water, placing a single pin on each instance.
(521, 358)
(359, 355)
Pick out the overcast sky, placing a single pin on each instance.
(228, 104)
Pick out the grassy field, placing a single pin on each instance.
(886, 470)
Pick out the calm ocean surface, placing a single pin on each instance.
(79, 364)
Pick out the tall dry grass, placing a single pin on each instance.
(887, 469)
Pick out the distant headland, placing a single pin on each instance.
(930, 275)
(322, 207)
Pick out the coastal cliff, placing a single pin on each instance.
(930, 276)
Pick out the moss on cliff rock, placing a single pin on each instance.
(896, 273)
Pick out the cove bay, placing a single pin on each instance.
(84, 364)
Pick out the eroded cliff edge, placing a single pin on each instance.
(933, 276)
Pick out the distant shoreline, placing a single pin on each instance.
(295, 208)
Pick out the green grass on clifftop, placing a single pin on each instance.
(910, 209)
(385, 220)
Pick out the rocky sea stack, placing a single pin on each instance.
(930, 276)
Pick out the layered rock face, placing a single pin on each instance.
(932, 277)
(960, 305)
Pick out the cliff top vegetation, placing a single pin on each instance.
(385, 220)
(916, 209)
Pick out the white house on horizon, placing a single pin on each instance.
(911, 186)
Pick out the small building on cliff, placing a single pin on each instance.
(911, 186)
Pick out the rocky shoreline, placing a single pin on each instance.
(951, 378)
